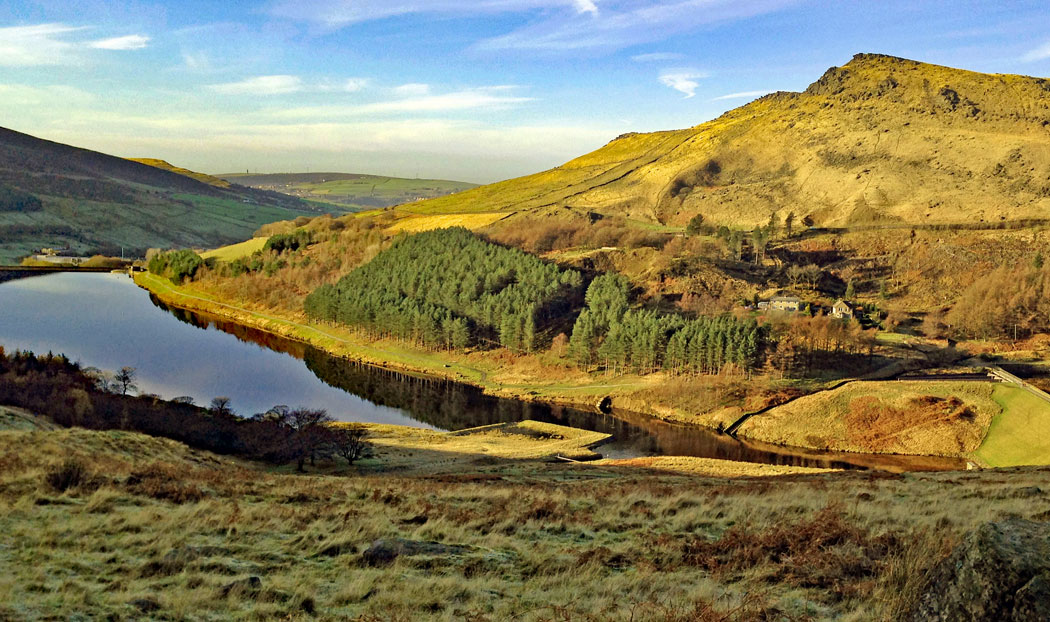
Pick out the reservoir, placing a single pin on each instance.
(106, 321)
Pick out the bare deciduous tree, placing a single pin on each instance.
(220, 406)
(125, 379)
(349, 441)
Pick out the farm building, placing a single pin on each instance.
(790, 304)
(843, 310)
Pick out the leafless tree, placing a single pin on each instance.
(349, 441)
(125, 380)
(220, 406)
(310, 434)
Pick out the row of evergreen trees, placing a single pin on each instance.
(611, 335)
(448, 288)
(177, 265)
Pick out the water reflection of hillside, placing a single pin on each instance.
(450, 405)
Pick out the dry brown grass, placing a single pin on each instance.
(413, 449)
(908, 417)
(501, 540)
(415, 224)
(712, 467)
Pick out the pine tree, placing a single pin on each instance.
(584, 336)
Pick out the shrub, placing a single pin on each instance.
(288, 241)
(70, 474)
(178, 265)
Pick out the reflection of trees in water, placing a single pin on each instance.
(450, 405)
(443, 403)
(13, 275)
(243, 333)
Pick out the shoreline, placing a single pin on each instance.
(359, 350)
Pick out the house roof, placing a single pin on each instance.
(785, 299)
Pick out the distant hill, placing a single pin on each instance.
(201, 177)
(350, 190)
(881, 140)
(56, 195)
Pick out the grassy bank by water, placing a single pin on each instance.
(917, 417)
(514, 380)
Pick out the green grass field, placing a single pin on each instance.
(236, 251)
(354, 191)
(1020, 435)
(178, 220)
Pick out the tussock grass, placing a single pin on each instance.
(509, 539)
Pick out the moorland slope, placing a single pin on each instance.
(123, 525)
(879, 140)
(351, 190)
(57, 195)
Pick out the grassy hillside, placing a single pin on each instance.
(1021, 434)
(236, 251)
(58, 195)
(936, 418)
(201, 177)
(153, 529)
(879, 140)
(350, 190)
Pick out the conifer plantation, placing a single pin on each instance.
(448, 288)
(621, 339)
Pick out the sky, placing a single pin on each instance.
(473, 90)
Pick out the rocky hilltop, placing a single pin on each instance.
(878, 140)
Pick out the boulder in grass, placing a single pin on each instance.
(999, 573)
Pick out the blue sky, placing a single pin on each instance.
(477, 90)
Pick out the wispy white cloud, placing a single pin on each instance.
(488, 98)
(586, 6)
(1040, 53)
(286, 84)
(56, 44)
(412, 90)
(42, 44)
(337, 13)
(353, 85)
(682, 80)
(127, 42)
(196, 61)
(579, 24)
(657, 57)
(23, 95)
(261, 85)
(741, 95)
(628, 22)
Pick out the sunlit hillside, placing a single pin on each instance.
(879, 140)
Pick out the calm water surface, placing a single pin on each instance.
(105, 321)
